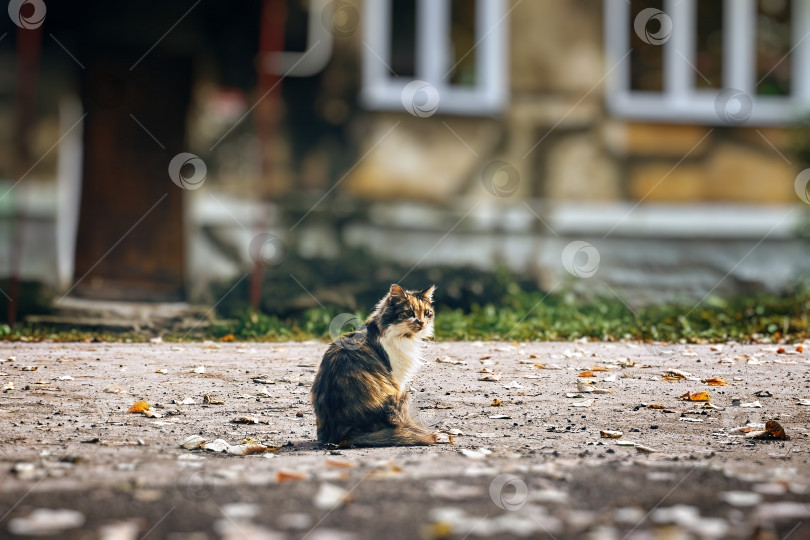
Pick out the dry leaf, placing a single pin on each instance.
(672, 374)
(500, 416)
(599, 368)
(773, 431)
(245, 420)
(115, 390)
(493, 377)
(715, 381)
(247, 449)
(192, 442)
(539, 366)
(645, 449)
(29, 368)
(697, 396)
(605, 434)
(339, 464)
(212, 400)
(655, 406)
(495, 403)
(290, 476)
(586, 374)
(198, 369)
(139, 407)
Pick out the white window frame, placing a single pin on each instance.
(434, 58)
(680, 100)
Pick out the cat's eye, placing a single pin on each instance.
(409, 313)
(428, 313)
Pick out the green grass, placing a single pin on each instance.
(524, 316)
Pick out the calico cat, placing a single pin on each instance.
(360, 393)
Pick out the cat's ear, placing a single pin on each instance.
(396, 291)
(427, 294)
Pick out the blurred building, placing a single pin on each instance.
(666, 137)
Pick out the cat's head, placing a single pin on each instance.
(406, 313)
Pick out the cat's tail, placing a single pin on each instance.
(403, 435)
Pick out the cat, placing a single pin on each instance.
(360, 393)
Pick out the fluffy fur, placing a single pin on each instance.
(360, 393)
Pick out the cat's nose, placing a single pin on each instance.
(418, 323)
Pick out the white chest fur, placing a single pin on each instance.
(405, 356)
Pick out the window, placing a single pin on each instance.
(457, 46)
(709, 61)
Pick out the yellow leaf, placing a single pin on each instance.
(139, 407)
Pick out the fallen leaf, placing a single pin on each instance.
(697, 396)
(763, 393)
(212, 400)
(247, 449)
(228, 337)
(610, 434)
(493, 377)
(185, 401)
(803, 402)
(715, 381)
(245, 420)
(672, 374)
(198, 369)
(339, 463)
(586, 374)
(539, 366)
(162, 371)
(773, 431)
(290, 476)
(500, 416)
(139, 407)
(29, 368)
(645, 449)
(192, 442)
(495, 403)
(115, 390)
(218, 445)
(599, 368)
(449, 360)
(754, 404)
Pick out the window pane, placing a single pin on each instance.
(773, 47)
(462, 34)
(403, 37)
(709, 51)
(646, 59)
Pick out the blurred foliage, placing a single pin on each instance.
(471, 305)
(530, 315)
